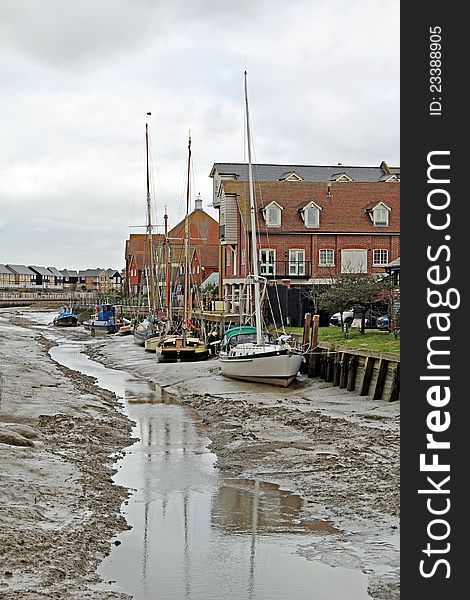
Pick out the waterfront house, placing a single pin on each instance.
(203, 250)
(24, 277)
(70, 279)
(314, 222)
(7, 277)
(58, 279)
(44, 277)
(115, 279)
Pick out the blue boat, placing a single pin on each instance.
(66, 317)
(104, 320)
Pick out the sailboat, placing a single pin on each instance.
(187, 344)
(148, 328)
(265, 360)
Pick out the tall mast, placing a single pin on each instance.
(186, 249)
(167, 271)
(150, 281)
(254, 245)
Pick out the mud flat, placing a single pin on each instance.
(59, 508)
(337, 450)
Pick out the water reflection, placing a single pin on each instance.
(194, 533)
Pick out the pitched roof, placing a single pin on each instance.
(272, 172)
(40, 270)
(343, 204)
(20, 269)
(55, 271)
(4, 270)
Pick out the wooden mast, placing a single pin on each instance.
(151, 280)
(186, 250)
(167, 271)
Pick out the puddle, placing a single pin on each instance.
(195, 533)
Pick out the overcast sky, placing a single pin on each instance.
(77, 79)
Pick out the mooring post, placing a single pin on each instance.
(352, 368)
(337, 369)
(367, 378)
(343, 378)
(379, 386)
(395, 390)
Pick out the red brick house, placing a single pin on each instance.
(313, 222)
(203, 249)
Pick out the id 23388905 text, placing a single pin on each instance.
(435, 70)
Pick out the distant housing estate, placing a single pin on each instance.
(34, 278)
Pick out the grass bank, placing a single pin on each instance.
(373, 339)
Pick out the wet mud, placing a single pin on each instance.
(332, 457)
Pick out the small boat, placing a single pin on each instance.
(189, 342)
(174, 348)
(263, 361)
(126, 328)
(66, 317)
(104, 320)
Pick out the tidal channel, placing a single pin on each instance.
(196, 533)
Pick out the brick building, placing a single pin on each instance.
(313, 222)
(203, 250)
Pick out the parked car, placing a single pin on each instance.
(348, 317)
(383, 322)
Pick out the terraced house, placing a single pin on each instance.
(314, 222)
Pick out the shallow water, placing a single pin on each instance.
(196, 533)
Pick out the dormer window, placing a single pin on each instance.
(290, 176)
(311, 214)
(272, 214)
(379, 214)
(341, 178)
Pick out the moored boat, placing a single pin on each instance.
(187, 342)
(264, 361)
(66, 317)
(104, 320)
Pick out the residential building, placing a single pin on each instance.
(313, 222)
(24, 277)
(203, 234)
(7, 277)
(58, 278)
(70, 279)
(44, 277)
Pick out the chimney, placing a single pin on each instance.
(198, 203)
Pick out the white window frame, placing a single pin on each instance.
(326, 263)
(273, 216)
(382, 255)
(311, 206)
(296, 265)
(228, 256)
(381, 210)
(273, 208)
(243, 257)
(356, 266)
(268, 265)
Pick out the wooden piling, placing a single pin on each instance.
(343, 378)
(352, 369)
(379, 386)
(395, 390)
(337, 369)
(368, 370)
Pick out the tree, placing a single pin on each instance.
(352, 288)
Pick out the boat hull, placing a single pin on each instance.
(171, 349)
(151, 343)
(100, 328)
(273, 368)
(67, 321)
